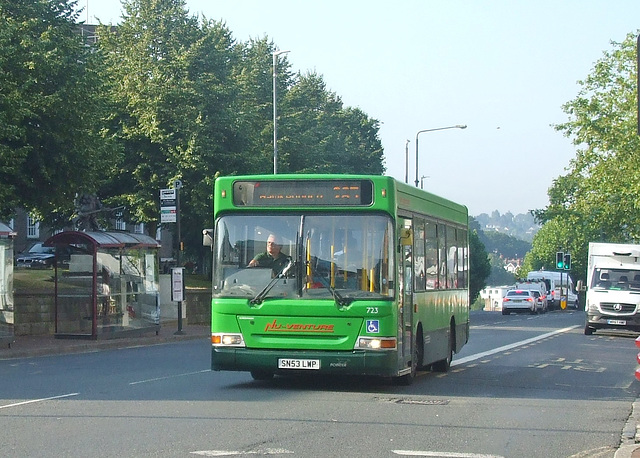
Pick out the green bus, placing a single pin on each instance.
(371, 276)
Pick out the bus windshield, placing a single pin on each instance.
(344, 257)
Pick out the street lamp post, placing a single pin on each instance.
(459, 126)
(406, 162)
(422, 180)
(275, 111)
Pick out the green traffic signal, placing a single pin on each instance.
(560, 260)
(567, 261)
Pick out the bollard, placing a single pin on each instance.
(638, 358)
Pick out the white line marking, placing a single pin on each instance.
(510, 346)
(443, 454)
(267, 451)
(31, 401)
(168, 377)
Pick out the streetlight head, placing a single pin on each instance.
(462, 126)
(277, 53)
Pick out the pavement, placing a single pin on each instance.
(630, 443)
(32, 346)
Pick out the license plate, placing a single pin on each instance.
(617, 322)
(288, 363)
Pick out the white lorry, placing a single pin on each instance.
(556, 283)
(613, 287)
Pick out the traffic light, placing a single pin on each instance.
(567, 261)
(560, 260)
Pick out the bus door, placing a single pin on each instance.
(405, 305)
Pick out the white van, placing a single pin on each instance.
(556, 283)
(613, 287)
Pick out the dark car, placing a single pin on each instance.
(38, 257)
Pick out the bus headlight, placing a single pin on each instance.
(376, 343)
(227, 340)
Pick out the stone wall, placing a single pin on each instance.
(198, 302)
(34, 311)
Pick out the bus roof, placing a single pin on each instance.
(389, 195)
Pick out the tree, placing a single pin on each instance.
(175, 98)
(506, 245)
(479, 266)
(51, 109)
(598, 199)
(320, 135)
(190, 103)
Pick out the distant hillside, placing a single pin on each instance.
(506, 238)
(521, 226)
(503, 245)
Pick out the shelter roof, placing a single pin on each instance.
(6, 231)
(103, 239)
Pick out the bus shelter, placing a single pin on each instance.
(6, 283)
(106, 284)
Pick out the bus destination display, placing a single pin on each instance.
(285, 193)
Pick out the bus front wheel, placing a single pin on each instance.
(444, 364)
(417, 357)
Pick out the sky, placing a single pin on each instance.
(503, 68)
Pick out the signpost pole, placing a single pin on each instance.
(177, 186)
(170, 213)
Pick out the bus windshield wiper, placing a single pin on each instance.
(262, 294)
(340, 300)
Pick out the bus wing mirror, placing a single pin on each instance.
(580, 286)
(406, 237)
(207, 237)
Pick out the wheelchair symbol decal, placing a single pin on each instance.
(373, 326)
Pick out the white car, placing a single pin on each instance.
(519, 301)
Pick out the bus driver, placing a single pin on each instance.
(273, 257)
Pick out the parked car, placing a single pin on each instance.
(520, 300)
(37, 257)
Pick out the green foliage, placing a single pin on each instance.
(479, 266)
(599, 198)
(320, 136)
(170, 70)
(51, 105)
(498, 275)
(506, 245)
(162, 96)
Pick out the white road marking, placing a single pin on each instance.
(267, 451)
(443, 454)
(31, 401)
(466, 359)
(168, 377)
